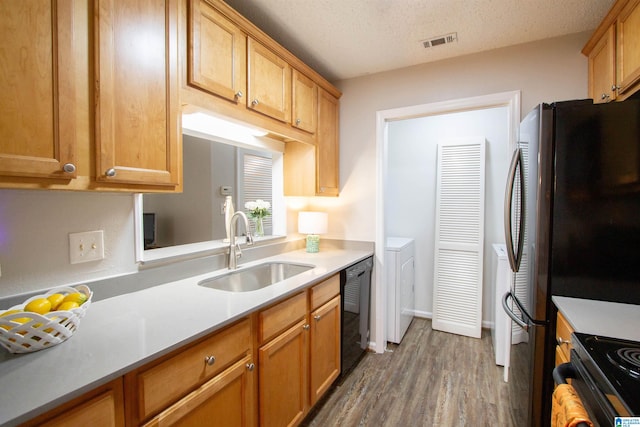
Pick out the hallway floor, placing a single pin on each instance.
(432, 379)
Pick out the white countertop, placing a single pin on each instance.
(124, 332)
(609, 319)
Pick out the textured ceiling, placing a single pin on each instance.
(349, 38)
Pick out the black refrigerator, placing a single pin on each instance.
(572, 226)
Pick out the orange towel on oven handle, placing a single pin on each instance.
(567, 409)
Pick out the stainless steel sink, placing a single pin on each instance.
(254, 278)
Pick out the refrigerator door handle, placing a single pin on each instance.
(505, 306)
(514, 254)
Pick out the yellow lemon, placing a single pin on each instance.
(55, 300)
(77, 297)
(68, 305)
(8, 312)
(39, 305)
(19, 320)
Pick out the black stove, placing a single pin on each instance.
(609, 376)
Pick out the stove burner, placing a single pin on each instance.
(627, 359)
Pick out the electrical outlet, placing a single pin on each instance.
(86, 246)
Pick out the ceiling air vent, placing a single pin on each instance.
(437, 41)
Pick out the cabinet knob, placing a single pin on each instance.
(239, 94)
(604, 96)
(110, 172)
(562, 341)
(615, 88)
(69, 168)
(251, 367)
(306, 327)
(254, 102)
(298, 121)
(210, 360)
(317, 317)
(322, 189)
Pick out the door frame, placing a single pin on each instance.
(510, 99)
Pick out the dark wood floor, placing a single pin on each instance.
(432, 379)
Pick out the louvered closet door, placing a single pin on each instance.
(459, 237)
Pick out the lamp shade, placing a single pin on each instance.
(312, 222)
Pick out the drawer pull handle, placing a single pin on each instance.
(562, 341)
(69, 168)
(251, 367)
(210, 360)
(317, 317)
(306, 327)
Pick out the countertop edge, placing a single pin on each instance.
(601, 318)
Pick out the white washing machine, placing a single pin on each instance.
(399, 257)
(501, 324)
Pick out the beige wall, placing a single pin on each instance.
(544, 71)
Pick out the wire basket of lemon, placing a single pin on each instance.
(45, 320)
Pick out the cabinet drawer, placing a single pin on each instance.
(563, 335)
(276, 319)
(323, 292)
(168, 381)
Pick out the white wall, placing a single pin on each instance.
(411, 186)
(544, 71)
(34, 242)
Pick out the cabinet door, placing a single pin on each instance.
(103, 406)
(269, 82)
(37, 116)
(628, 47)
(305, 101)
(328, 149)
(226, 399)
(137, 111)
(217, 53)
(602, 68)
(282, 370)
(324, 352)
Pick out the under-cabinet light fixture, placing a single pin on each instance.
(211, 125)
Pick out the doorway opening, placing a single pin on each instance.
(509, 100)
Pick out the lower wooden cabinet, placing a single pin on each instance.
(301, 363)
(227, 400)
(202, 380)
(103, 406)
(324, 353)
(563, 339)
(283, 370)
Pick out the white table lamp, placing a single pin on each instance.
(312, 224)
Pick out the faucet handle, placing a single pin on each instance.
(249, 239)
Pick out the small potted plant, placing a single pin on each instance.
(257, 211)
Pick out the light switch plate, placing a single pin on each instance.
(86, 246)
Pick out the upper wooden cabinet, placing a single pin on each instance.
(217, 53)
(328, 146)
(233, 69)
(602, 68)
(137, 111)
(628, 52)
(269, 82)
(614, 53)
(37, 120)
(304, 102)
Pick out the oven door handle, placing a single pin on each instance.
(562, 372)
(505, 306)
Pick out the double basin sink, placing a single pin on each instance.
(256, 277)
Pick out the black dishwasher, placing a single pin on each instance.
(355, 289)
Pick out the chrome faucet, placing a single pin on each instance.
(234, 248)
